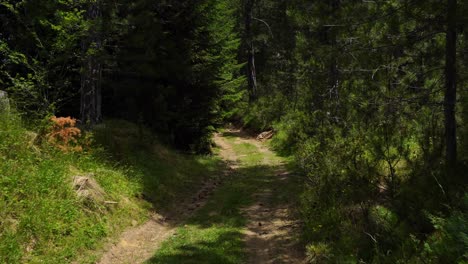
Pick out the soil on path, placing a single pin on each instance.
(138, 244)
(271, 234)
(272, 229)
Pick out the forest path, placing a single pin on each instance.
(272, 228)
(136, 245)
(249, 217)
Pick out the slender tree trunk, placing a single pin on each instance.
(450, 85)
(91, 72)
(252, 78)
(333, 72)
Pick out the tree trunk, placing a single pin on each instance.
(252, 78)
(91, 72)
(4, 102)
(450, 85)
(333, 71)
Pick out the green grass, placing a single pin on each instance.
(166, 176)
(41, 218)
(214, 233)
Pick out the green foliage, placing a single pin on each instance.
(171, 65)
(319, 253)
(39, 45)
(353, 90)
(179, 68)
(449, 242)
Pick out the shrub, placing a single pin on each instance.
(449, 242)
(64, 134)
(319, 253)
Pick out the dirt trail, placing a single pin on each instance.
(138, 244)
(270, 229)
(268, 234)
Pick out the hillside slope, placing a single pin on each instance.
(56, 206)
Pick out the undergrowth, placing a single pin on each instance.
(373, 194)
(377, 202)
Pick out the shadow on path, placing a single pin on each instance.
(248, 220)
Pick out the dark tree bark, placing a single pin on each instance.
(252, 78)
(91, 72)
(450, 85)
(333, 71)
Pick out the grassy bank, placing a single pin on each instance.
(42, 219)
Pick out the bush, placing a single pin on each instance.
(319, 253)
(264, 112)
(449, 242)
(64, 134)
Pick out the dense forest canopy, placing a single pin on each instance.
(369, 97)
(172, 64)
